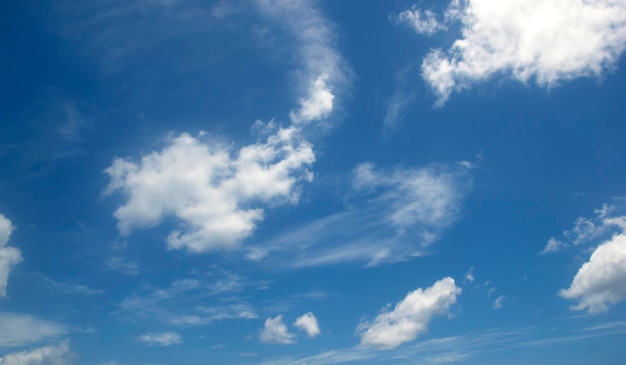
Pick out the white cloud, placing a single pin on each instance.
(49, 355)
(178, 305)
(323, 72)
(9, 256)
(552, 246)
(587, 230)
(497, 304)
(398, 213)
(422, 21)
(601, 280)
(308, 323)
(20, 330)
(218, 195)
(215, 196)
(160, 339)
(545, 43)
(426, 197)
(276, 332)
(410, 316)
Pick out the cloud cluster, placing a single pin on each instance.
(410, 316)
(545, 43)
(586, 230)
(601, 280)
(49, 355)
(9, 256)
(308, 323)
(275, 331)
(161, 339)
(217, 194)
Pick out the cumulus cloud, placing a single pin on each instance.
(275, 332)
(9, 256)
(308, 323)
(217, 197)
(217, 194)
(161, 339)
(49, 355)
(20, 330)
(545, 43)
(410, 317)
(601, 280)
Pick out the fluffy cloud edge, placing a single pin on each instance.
(308, 323)
(275, 332)
(410, 316)
(545, 44)
(9, 256)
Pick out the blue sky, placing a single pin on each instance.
(312, 182)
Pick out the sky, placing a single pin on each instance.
(312, 182)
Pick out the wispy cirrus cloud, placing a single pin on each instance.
(70, 288)
(398, 215)
(118, 263)
(57, 355)
(186, 302)
(161, 339)
(456, 348)
(18, 330)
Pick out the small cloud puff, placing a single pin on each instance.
(308, 323)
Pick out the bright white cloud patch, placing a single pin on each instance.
(160, 339)
(410, 316)
(215, 195)
(601, 280)
(308, 323)
(49, 355)
(21, 330)
(276, 332)
(544, 42)
(9, 256)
